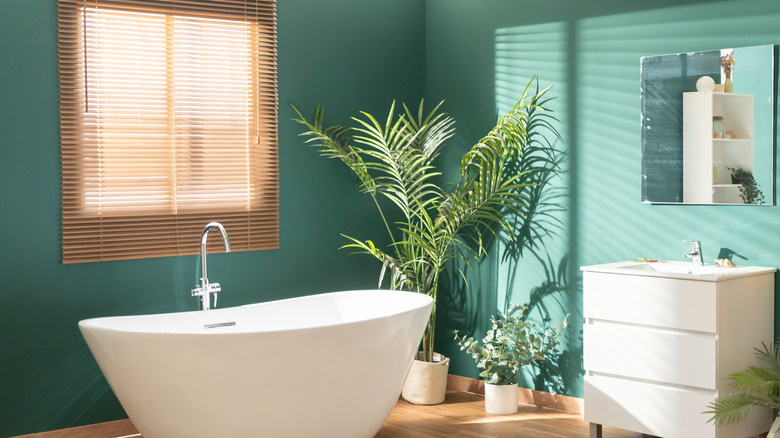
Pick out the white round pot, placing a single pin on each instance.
(426, 383)
(500, 399)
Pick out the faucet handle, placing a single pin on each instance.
(213, 289)
(695, 244)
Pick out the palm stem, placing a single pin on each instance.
(384, 220)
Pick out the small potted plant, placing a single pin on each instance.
(748, 189)
(511, 343)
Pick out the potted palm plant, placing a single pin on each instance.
(754, 386)
(511, 343)
(395, 160)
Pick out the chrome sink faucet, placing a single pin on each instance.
(205, 289)
(695, 254)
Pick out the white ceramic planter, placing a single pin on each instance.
(500, 399)
(426, 383)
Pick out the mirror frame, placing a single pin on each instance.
(664, 80)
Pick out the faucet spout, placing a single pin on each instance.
(205, 289)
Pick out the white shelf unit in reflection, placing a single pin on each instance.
(706, 178)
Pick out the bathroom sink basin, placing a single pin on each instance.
(674, 269)
(678, 268)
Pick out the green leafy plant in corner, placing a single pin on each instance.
(748, 189)
(754, 386)
(511, 343)
(394, 159)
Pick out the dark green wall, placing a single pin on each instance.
(348, 54)
(480, 53)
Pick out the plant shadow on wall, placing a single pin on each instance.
(563, 368)
(534, 224)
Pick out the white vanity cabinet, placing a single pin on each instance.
(706, 178)
(659, 346)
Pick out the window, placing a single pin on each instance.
(168, 121)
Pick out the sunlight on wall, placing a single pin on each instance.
(527, 51)
(591, 54)
(593, 65)
(537, 277)
(608, 135)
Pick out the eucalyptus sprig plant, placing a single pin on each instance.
(394, 159)
(754, 386)
(511, 343)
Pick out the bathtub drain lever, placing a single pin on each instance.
(220, 324)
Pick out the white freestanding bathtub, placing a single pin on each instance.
(329, 365)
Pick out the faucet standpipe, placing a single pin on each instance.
(205, 289)
(695, 254)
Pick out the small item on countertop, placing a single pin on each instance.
(725, 263)
(644, 260)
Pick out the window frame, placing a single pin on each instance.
(99, 236)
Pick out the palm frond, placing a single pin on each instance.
(403, 172)
(768, 356)
(434, 129)
(334, 142)
(735, 407)
(756, 381)
(754, 386)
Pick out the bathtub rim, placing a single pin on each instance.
(103, 322)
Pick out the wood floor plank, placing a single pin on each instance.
(111, 429)
(462, 415)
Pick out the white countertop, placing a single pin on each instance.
(679, 270)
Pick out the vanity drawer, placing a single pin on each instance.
(656, 301)
(651, 354)
(648, 408)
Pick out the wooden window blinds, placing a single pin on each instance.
(168, 114)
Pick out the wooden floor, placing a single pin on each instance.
(461, 415)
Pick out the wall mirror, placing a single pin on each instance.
(696, 134)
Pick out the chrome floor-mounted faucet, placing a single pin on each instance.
(206, 289)
(695, 254)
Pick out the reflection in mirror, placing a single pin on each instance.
(707, 127)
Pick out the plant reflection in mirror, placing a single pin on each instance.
(748, 187)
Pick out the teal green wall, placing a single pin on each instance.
(477, 56)
(351, 55)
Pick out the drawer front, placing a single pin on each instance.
(647, 408)
(661, 302)
(651, 354)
